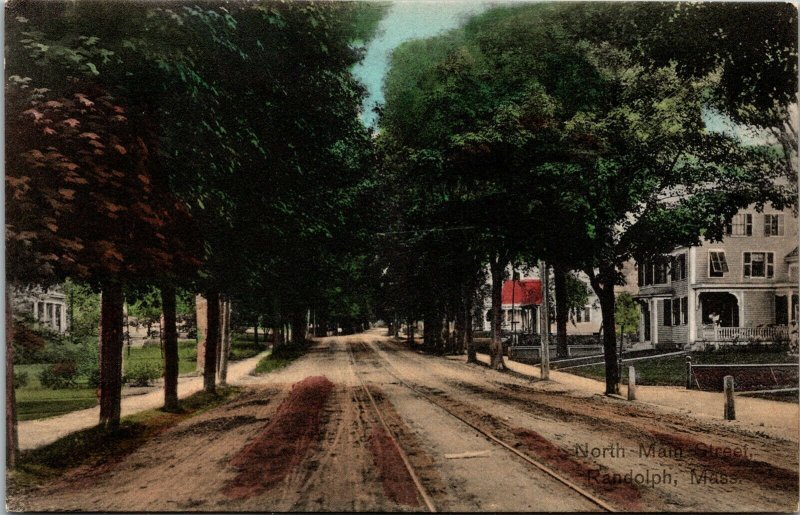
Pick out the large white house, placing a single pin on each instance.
(744, 288)
(47, 307)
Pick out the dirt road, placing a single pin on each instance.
(351, 425)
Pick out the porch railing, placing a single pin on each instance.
(746, 334)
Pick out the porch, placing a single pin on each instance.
(770, 333)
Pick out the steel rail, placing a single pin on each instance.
(596, 500)
(417, 483)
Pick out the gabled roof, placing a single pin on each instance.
(524, 292)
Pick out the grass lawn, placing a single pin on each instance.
(34, 401)
(95, 446)
(280, 357)
(671, 371)
(243, 348)
(187, 356)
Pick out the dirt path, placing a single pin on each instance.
(35, 433)
(306, 438)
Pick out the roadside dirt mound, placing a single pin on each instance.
(283, 442)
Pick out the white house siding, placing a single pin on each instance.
(755, 295)
(758, 308)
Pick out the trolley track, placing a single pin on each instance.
(387, 367)
(423, 493)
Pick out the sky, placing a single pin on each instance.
(406, 20)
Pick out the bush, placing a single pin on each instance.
(93, 377)
(59, 375)
(142, 373)
(20, 380)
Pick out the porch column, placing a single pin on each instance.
(36, 310)
(654, 321)
(692, 316)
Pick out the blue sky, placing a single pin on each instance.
(406, 20)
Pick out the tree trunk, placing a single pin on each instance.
(255, 334)
(472, 356)
(221, 335)
(604, 288)
(212, 343)
(497, 268)
(111, 326)
(226, 342)
(299, 329)
(201, 319)
(562, 311)
(438, 336)
(170, 349)
(410, 333)
(458, 344)
(12, 442)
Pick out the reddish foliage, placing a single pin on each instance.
(283, 442)
(397, 484)
(624, 495)
(74, 170)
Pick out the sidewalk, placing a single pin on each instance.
(36, 433)
(774, 418)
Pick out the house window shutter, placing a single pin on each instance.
(676, 312)
(747, 265)
(770, 264)
(685, 310)
(667, 312)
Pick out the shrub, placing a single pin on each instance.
(142, 373)
(20, 380)
(59, 375)
(93, 377)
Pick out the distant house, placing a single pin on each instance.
(47, 307)
(524, 296)
(744, 288)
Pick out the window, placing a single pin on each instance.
(583, 314)
(741, 225)
(660, 272)
(759, 264)
(717, 264)
(676, 312)
(668, 312)
(685, 310)
(773, 225)
(679, 267)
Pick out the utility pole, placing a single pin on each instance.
(544, 317)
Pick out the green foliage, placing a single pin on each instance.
(626, 314)
(84, 307)
(20, 380)
(142, 373)
(63, 374)
(279, 358)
